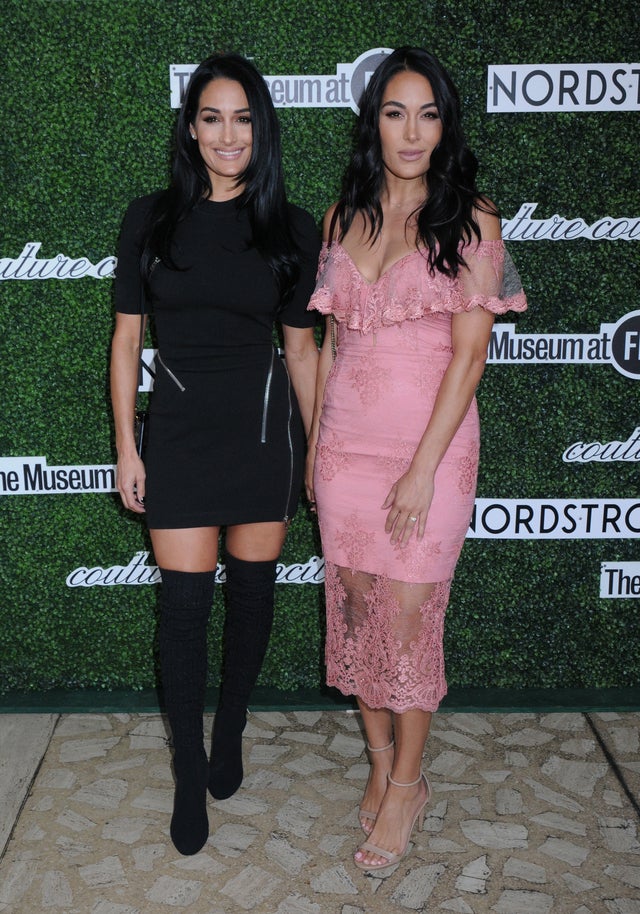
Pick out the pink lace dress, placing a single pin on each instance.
(386, 604)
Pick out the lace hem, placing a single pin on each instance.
(384, 639)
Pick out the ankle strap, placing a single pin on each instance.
(381, 748)
(412, 784)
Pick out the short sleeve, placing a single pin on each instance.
(128, 282)
(490, 279)
(305, 231)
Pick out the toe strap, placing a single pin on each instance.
(380, 851)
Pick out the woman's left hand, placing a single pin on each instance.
(408, 501)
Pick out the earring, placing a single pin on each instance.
(192, 135)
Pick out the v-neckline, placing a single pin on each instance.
(384, 273)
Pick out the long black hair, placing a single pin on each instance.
(263, 180)
(447, 216)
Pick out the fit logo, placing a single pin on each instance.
(625, 345)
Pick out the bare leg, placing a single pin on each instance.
(400, 804)
(378, 727)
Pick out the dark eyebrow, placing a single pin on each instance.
(217, 110)
(400, 105)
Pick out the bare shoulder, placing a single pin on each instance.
(328, 222)
(488, 219)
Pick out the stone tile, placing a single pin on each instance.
(496, 835)
(524, 869)
(347, 746)
(552, 797)
(272, 718)
(177, 893)
(111, 907)
(154, 798)
(474, 877)
(519, 815)
(576, 777)
(308, 718)
(297, 904)
(558, 822)
(625, 739)
(297, 816)
(106, 793)
(459, 740)
(58, 779)
(334, 881)
(146, 856)
(526, 738)
(81, 750)
(77, 724)
(251, 887)
(267, 755)
(233, 840)
(512, 902)
(310, 764)
(476, 724)
(303, 736)
(573, 854)
(288, 858)
(417, 886)
(255, 730)
(263, 779)
(104, 873)
(126, 830)
(451, 764)
(508, 802)
(629, 875)
(564, 720)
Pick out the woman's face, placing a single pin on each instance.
(222, 129)
(409, 124)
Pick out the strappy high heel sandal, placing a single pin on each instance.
(390, 857)
(364, 815)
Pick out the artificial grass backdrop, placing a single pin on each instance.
(86, 125)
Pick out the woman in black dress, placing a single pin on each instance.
(216, 258)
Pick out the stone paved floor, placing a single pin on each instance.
(531, 814)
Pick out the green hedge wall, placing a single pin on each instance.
(86, 126)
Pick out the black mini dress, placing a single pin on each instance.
(225, 438)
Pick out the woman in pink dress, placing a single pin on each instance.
(412, 272)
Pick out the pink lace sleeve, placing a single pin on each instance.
(322, 298)
(490, 279)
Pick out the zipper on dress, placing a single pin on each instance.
(181, 387)
(286, 518)
(265, 404)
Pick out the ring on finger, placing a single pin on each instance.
(413, 519)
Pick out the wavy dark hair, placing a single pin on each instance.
(447, 216)
(264, 193)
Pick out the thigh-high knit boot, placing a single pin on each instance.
(250, 592)
(185, 605)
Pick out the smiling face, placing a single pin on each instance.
(409, 124)
(222, 129)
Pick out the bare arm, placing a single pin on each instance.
(301, 357)
(411, 495)
(125, 352)
(324, 366)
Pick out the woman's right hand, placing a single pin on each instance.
(130, 482)
(308, 474)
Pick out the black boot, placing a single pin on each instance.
(185, 605)
(250, 591)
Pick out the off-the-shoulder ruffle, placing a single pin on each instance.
(408, 291)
